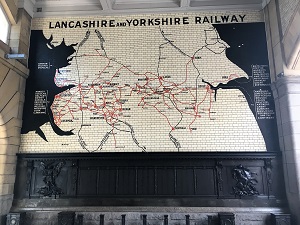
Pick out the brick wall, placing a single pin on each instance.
(137, 47)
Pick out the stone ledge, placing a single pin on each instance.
(286, 85)
(14, 64)
(114, 217)
(143, 209)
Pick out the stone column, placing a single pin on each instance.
(12, 89)
(283, 31)
(287, 99)
(20, 34)
(13, 76)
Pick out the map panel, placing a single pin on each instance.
(146, 83)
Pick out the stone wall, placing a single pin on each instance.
(13, 76)
(12, 87)
(287, 10)
(156, 216)
(282, 22)
(273, 40)
(291, 44)
(20, 33)
(286, 93)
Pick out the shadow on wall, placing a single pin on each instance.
(286, 93)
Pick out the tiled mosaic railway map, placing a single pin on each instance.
(186, 84)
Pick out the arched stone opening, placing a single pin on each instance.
(12, 86)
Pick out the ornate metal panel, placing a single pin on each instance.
(184, 179)
(245, 181)
(50, 171)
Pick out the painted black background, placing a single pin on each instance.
(42, 51)
(248, 46)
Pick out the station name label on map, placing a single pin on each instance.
(148, 21)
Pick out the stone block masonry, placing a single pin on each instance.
(155, 216)
(12, 89)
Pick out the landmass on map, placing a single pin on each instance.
(55, 57)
